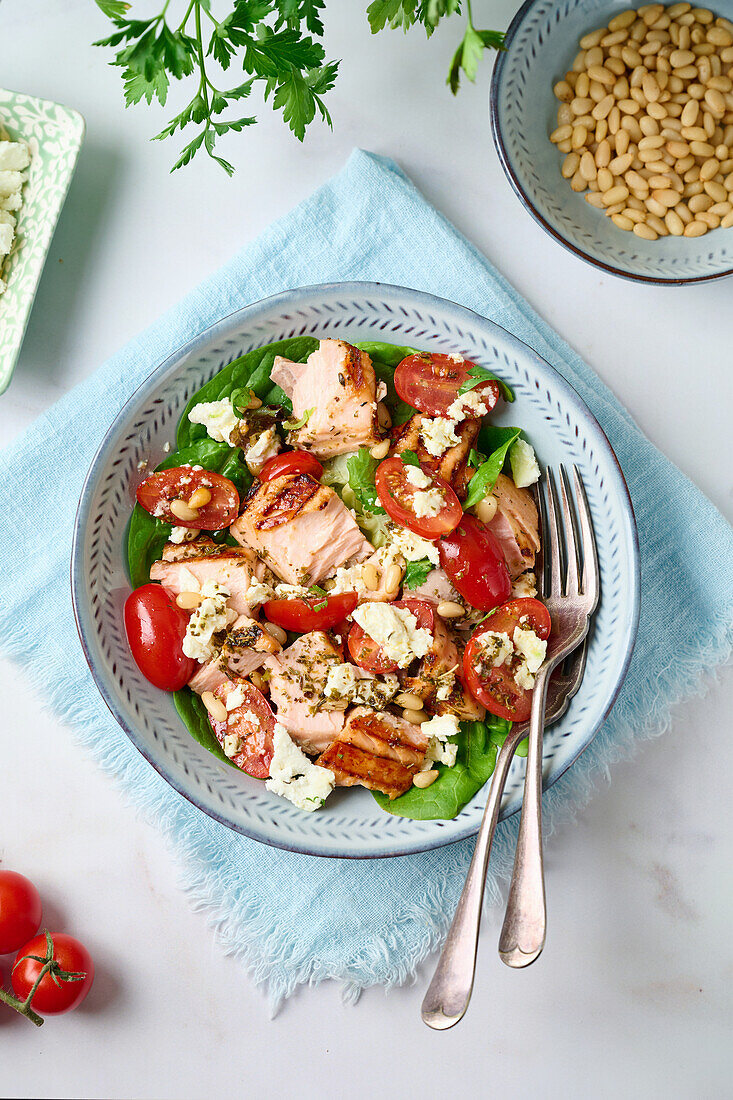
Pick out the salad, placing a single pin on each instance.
(333, 573)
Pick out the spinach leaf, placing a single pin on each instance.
(250, 371)
(362, 467)
(146, 535)
(409, 458)
(196, 720)
(478, 375)
(499, 736)
(416, 572)
(496, 442)
(455, 786)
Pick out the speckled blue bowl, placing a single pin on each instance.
(541, 44)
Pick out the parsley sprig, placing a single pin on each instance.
(275, 44)
(268, 37)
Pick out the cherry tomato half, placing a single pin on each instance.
(291, 462)
(20, 911)
(316, 613)
(431, 382)
(157, 491)
(473, 559)
(496, 687)
(396, 495)
(54, 995)
(255, 737)
(368, 654)
(155, 626)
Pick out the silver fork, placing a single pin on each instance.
(449, 993)
(570, 591)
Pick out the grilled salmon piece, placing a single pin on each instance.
(246, 646)
(208, 677)
(180, 551)
(298, 678)
(337, 386)
(233, 567)
(516, 519)
(300, 528)
(376, 750)
(452, 466)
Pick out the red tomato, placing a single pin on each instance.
(157, 491)
(256, 749)
(368, 654)
(54, 994)
(473, 559)
(496, 688)
(318, 613)
(431, 382)
(20, 911)
(155, 626)
(395, 495)
(291, 462)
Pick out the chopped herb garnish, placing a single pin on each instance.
(293, 425)
(319, 606)
(416, 572)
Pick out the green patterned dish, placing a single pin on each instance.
(54, 134)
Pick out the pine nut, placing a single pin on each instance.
(622, 222)
(392, 578)
(615, 194)
(716, 191)
(569, 166)
(486, 509)
(643, 230)
(217, 710)
(408, 700)
(275, 632)
(449, 609)
(424, 779)
(371, 577)
(696, 229)
(181, 510)
(727, 221)
(199, 497)
(674, 223)
(416, 717)
(380, 450)
(254, 401)
(188, 600)
(257, 680)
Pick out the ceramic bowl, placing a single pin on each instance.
(562, 430)
(541, 44)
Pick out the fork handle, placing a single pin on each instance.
(523, 932)
(450, 990)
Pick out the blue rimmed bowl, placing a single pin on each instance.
(556, 420)
(541, 43)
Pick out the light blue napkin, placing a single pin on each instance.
(293, 918)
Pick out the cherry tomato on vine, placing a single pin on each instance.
(55, 994)
(20, 911)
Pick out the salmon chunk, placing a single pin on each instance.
(246, 646)
(297, 678)
(376, 750)
(452, 465)
(233, 567)
(300, 528)
(516, 519)
(336, 388)
(208, 677)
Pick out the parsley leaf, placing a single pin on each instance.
(416, 572)
(478, 375)
(484, 480)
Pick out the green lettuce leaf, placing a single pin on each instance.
(455, 786)
(496, 443)
(362, 468)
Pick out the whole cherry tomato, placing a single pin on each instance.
(155, 627)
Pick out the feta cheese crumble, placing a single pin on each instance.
(412, 547)
(523, 460)
(218, 417)
(395, 629)
(531, 647)
(417, 477)
(471, 404)
(426, 504)
(495, 648)
(208, 619)
(294, 776)
(524, 585)
(265, 446)
(258, 592)
(440, 750)
(346, 685)
(438, 434)
(182, 534)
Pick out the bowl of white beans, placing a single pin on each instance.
(614, 126)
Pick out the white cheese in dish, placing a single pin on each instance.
(471, 404)
(218, 417)
(14, 157)
(439, 749)
(523, 460)
(345, 685)
(411, 546)
(182, 534)
(438, 434)
(495, 648)
(417, 477)
(427, 504)
(210, 617)
(531, 647)
(265, 446)
(395, 629)
(294, 776)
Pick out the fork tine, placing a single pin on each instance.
(539, 568)
(591, 579)
(572, 571)
(555, 562)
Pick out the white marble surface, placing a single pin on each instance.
(632, 994)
